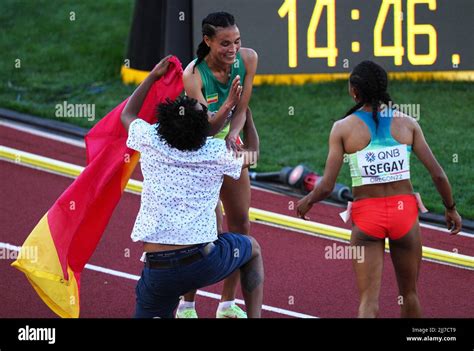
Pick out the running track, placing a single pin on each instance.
(299, 281)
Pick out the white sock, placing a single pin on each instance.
(225, 304)
(186, 304)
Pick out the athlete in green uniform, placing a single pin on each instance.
(222, 78)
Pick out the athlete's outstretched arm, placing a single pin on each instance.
(134, 104)
(425, 155)
(325, 186)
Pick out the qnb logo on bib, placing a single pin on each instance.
(384, 165)
(370, 156)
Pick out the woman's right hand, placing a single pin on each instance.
(453, 221)
(234, 94)
(303, 207)
(161, 68)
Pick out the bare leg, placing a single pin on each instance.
(251, 279)
(368, 272)
(235, 195)
(406, 257)
(219, 218)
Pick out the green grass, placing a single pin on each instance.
(62, 60)
(79, 62)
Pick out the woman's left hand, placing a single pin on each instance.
(231, 142)
(303, 206)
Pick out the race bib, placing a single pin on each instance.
(384, 165)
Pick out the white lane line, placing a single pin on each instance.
(444, 230)
(81, 144)
(23, 128)
(436, 228)
(134, 277)
(424, 225)
(60, 165)
(347, 242)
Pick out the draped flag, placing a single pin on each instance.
(67, 235)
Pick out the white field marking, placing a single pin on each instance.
(347, 242)
(67, 168)
(134, 277)
(81, 144)
(23, 128)
(62, 166)
(436, 228)
(445, 230)
(137, 185)
(424, 225)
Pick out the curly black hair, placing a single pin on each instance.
(370, 81)
(182, 125)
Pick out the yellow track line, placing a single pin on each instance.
(135, 76)
(257, 215)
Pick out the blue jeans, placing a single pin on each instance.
(159, 289)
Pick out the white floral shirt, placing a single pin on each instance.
(180, 188)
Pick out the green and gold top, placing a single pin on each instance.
(216, 92)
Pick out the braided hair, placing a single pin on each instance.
(209, 24)
(370, 81)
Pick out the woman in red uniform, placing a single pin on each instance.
(379, 142)
(221, 78)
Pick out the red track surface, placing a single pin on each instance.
(298, 277)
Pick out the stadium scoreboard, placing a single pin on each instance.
(301, 41)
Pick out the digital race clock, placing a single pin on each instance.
(310, 40)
